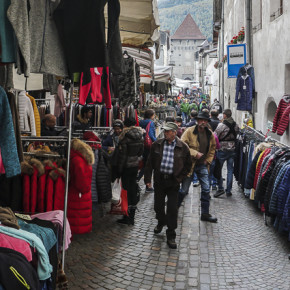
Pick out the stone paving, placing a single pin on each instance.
(239, 252)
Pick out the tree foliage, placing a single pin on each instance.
(173, 12)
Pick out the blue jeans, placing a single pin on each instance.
(202, 174)
(228, 156)
(212, 180)
(194, 179)
(184, 117)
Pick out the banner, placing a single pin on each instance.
(236, 59)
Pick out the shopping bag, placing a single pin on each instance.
(121, 208)
(116, 191)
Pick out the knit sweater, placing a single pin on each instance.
(7, 138)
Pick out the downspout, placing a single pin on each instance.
(249, 46)
(222, 53)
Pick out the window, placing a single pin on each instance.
(276, 9)
(257, 15)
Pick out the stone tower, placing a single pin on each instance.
(184, 45)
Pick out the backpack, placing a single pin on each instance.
(147, 139)
(231, 131)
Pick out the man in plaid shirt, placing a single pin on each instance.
(171, 162)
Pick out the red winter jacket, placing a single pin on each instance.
(284, 122)
(26, 172)
(259, 165)
(59, 189)
(79, 212)
(284, 103)
(38, 171)
(49, 188)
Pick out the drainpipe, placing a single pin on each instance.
(249, 47)
(222, 54)
(249, 30)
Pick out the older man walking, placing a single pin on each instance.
(201, 142)
(170, 160)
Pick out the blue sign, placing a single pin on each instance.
(236, 58)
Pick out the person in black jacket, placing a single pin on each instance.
(131, 146)
(214, 121)
(82, 121)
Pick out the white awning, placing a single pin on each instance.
(139, 22)
(162, 73)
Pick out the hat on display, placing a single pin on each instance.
(203, 115)
(170, 126)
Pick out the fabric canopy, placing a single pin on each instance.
(139, 22)
(162, 73)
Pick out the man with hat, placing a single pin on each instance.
(201, 142)
(170, 160)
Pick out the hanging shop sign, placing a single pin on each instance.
(236, 59)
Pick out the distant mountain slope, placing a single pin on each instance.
(173, 12)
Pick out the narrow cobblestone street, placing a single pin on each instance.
(239, 252)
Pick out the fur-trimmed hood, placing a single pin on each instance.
(58, 172)
(81, 120)
(134, 133)
(26, 168)
(83, 149)
(38, 165)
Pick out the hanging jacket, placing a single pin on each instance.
(26, 114)
(283, 191)
(36, 116)
(7, 138)
(59, 105)
(269, 190)
(59, 189)
(273, 206)
(36, 32)
(38, 170)
(244, 93)
(103, 179)
(26, 171)
(49, 186)
(79, 212)
(284, 123)
(247, 70)
(283, 105)
(16, 126)
(85, 21)
(259, 165)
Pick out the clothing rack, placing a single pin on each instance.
(37, 154)
(45, 139)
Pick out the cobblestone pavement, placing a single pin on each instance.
(239, 252)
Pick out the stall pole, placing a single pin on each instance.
(67, 174)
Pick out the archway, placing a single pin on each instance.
(271, 109)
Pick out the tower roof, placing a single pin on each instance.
(188, 30)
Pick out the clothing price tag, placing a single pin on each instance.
(244, 87)
(270, 125)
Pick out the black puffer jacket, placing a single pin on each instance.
(249, 184)
(103, 179)
(131, 146)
